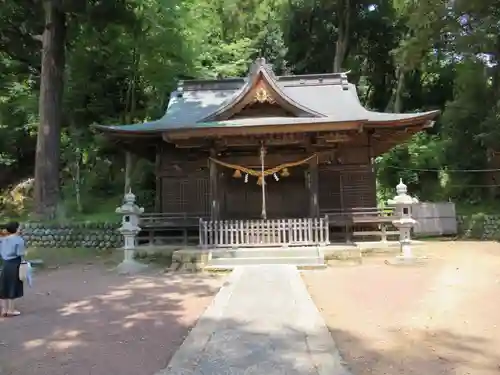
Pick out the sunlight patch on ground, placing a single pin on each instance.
(79, 307)
(434, 320)
(62, 345)
(60, 340)
(443, 298)
(116, 295)
(32, 344)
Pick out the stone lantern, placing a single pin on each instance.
(404, 222)
(129, 230)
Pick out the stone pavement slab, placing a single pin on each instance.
(262, 322)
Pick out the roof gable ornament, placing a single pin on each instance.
(262, 96)
(259, 65)
(344, 81)
(260, 86)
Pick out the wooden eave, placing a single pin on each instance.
(426, 119)
(360, 125)
(217, 132)
(117, 132)
(385, 142)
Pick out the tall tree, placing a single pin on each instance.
(343, 31)
(50, 109)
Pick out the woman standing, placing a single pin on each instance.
(12, 250)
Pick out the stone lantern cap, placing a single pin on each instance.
(129, 206)
(129, 198)
(402, 198)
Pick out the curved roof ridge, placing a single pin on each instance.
(259, 68)
(377, 116)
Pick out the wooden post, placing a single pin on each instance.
(158, 202)
(371, 161)
(313, 180)
(313, 187)
(263, 186)
(128, 171)
(214, 201)
(370, 151)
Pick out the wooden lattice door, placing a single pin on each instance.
(184, 194)
(358, 188)
(329, 191)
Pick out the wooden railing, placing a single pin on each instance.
(360, 214)
(363, 222)
(169, 220)
(169, 228)
(270, 232)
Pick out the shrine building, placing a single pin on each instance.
(266, 151)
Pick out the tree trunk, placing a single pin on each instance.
(342, 35)
(47, 161)
(78, 181)
(396, 101)
(129, 116)
(398, 95)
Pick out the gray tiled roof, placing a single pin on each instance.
(329, 96)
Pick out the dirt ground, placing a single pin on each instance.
(85, 320)
(442, 318)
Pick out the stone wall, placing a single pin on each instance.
(72, 235)
(106, 236)
(479, 226)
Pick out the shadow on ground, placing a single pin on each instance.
(86, 320)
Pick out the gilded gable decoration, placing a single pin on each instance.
(262, 96)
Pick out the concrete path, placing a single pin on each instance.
(262, 322)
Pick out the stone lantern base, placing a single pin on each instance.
(130, 267)
(406, 258)
(402, 261)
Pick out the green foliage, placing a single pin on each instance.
(124, 57)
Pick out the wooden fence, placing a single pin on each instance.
(270, 232)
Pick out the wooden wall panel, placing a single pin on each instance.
(344, 187)
(329, 193)
(286, 198)
(358, 189)
(354, 155)
(185, 194)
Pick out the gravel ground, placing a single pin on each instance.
(85, 320)
(439, 319)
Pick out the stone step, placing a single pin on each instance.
(297, 261)
(265, 253)
(229, 268)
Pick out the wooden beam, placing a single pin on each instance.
(216, 132)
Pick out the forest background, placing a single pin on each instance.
(67, 64)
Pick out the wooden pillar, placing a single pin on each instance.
(313, 188)
(313, 180)
(128, 171)
(214, 196)
(370, 151)
(158, 187)
(371, 162)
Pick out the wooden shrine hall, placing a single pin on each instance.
(266, 160)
